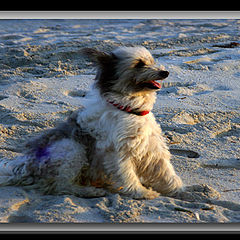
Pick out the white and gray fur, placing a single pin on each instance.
(101, 148)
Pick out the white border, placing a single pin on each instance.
(119, 14)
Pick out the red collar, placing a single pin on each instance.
(128, 109)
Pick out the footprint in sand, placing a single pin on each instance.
(186, 89)
(3, 97)
(75, 93)
(184, 153)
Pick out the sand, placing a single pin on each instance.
(43, 78)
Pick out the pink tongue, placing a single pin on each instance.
(157, 84)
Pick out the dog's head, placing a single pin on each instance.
(126, 70)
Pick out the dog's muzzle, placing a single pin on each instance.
(163, 74)
(154, 84)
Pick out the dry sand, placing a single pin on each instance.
(43, 78)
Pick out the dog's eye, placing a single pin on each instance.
(140, 64)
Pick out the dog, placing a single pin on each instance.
(112, 144)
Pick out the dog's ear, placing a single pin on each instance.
(97, 57)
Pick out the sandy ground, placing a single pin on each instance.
(43, 78)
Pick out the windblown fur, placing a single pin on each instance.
(103, 147)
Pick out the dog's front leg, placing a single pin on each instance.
(125, 179)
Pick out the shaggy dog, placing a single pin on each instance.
(111, 144)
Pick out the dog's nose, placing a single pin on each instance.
(163, 74)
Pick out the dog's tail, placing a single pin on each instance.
(14, 171)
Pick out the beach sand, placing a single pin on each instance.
(43, 78)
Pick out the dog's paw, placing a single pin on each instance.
(197, 193)
(145, 194)
(150, 194)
